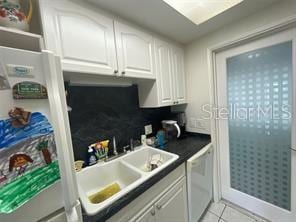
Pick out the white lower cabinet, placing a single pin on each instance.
(166, 201)
(172, 207)
(147, 215)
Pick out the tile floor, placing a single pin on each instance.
(227, 212)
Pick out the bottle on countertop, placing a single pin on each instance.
(161, 138)
(91, 157)
(143, 140)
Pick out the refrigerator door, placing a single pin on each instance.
(61, 125)
(45, 69)
(199, 182)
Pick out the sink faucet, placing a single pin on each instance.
(132, 144)
(114, 147)
(125, 148)
(116, 154)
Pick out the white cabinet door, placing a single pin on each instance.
(134, 52)
(83, 38)
(179, 75)
(172, 207)
(170, 86)
(147, 215)
(164, 72)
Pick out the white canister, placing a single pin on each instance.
(143, 140)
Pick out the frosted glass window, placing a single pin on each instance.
(260, 145)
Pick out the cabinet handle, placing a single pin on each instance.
(123, 72)
(152, 212)
(115, 71)
(177, 102)
(158, 207)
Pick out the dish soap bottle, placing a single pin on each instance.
(91, 157)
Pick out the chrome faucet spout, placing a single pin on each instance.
(132, 144)
(114, 147)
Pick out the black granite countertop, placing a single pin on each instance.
(185, 147)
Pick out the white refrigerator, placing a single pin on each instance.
(58, 201)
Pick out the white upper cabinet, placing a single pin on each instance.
(89, 42)
(83, 38)
(169, 88)
(179, 75)
(163, 55)
(135, 52)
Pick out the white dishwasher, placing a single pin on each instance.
(200, 182)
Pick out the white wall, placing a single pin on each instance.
(197, 63)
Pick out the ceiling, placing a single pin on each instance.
(161, 18)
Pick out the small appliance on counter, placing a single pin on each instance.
(172, 129)
(180, 117)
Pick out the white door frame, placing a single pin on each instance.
(211, 53)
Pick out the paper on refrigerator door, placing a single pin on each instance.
(4, 84)
(28, 161)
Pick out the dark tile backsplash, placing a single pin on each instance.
(99, 113)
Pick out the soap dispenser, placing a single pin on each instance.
(91, 157)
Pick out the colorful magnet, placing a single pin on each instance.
(29, 90)
(19, 117)
(20, 71)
